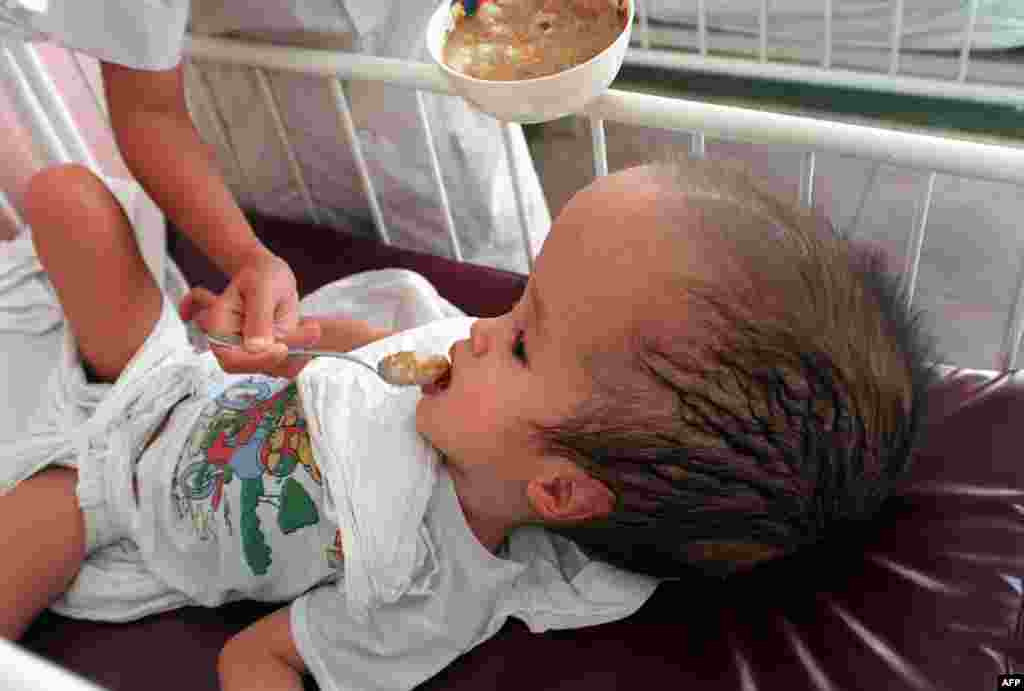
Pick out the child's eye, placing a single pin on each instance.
(519, 347)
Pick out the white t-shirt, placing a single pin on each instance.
(231, 497)
(459, 597)
(412, 588)
(142, 34)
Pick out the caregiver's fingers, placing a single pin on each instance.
(238, 361)
(270, 308)
(305, 335)
(274, 360)
(217, 314)
(194, 301)
(286, 315)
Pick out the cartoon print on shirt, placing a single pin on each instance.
(257, 438)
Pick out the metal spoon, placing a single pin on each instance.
(235, 341)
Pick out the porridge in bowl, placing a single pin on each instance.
(508, 40)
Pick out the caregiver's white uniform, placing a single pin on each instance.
(227, 106)
(146, 34)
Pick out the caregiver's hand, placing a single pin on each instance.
(224, 314)
(265, 288)
(263, 292)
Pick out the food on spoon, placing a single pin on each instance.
(405, 369)
(506, 40)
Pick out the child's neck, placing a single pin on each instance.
(490, 531)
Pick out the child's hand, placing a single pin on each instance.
(223, 315)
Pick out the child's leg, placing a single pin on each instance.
(43, 535)
(86, 244)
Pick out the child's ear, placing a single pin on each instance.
(568, 493)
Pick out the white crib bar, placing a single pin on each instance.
(345, 115)
(808, 161)
(698, 146)
(965, 50)
(762, 30)
(702, 28)
(97, 97)
(270, 102)
(524, 226)
(8, 210)
(645, 29)
(326, 63)
(826, 61)
(600, 147)
(915, 243)
(868, 185)
(209, 103)
(435, 167)
(24, 97)
(896, 31)
(1014, 322)
(894, 36)
(894, 147)
(53, 103)
(803, 74)
(807, 179)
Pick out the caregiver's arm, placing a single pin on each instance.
(165, 153)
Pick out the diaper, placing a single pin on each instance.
(100, 430)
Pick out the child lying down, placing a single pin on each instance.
(697, 376)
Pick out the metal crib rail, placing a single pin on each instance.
(906, 149)
(912, 150)
(686, 54)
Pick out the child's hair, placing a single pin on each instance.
(783, 403)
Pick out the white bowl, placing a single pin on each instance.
(531, 100)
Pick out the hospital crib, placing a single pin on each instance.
(929, 597)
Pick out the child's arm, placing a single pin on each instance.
(262, 656)
(336, 333)
(344, 333)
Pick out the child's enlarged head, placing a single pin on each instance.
(712, 377)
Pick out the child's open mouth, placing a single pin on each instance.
(439, 385)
